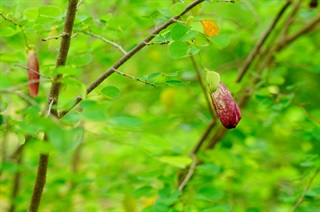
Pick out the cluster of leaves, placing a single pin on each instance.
(123, 146)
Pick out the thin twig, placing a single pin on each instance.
(134, 78)
(132, 52)
(306, 189)
(79, 3)
(259, 44)
(157, 43)
(49, 108)
(74, 35)
(32, 70)
(190, 172)
(203, 137)
(106, 40)
(18, 87)
(230, 1)
(26, 98)
(54, 37)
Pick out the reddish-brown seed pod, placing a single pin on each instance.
(33, 73)
(225, 106)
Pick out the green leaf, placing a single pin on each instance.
(177, 161)
(315, 192)
(82, 59)
(160, 207)
(7, 31)
(110, 92)
(191, 34)
(209, 193)
(208, 169)
(178, 31)
(31, 14)
(164, 12)
(177, 8)
(177, 83)
(65, 140)
(72, 118)
(125, 121)
(219, 208)
(178, 49)
(8, 57)
(5, 81)
(276, 80)
(94, 115)
(50, 11)
(193, 51)
(220, 41)
(144, 191)
(68, 70)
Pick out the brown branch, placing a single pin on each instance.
(190, 172)
(306, 189)
(132, 52)
(259, 44)
(53, 99)
(203, 137)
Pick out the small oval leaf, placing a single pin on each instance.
(110, 92)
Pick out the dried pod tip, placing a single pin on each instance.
(225, 106)
(33, 73)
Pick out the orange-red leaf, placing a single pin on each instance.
(33, 73)
(210, 28)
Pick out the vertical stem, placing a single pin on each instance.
(53, 101)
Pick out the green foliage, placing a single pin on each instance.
(126, 145)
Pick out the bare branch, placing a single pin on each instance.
(49, 108)
(106, 40)
(54, 37)
(190, 172)
(18, 87)
(78, 5)
(20, 94)
(34, 71)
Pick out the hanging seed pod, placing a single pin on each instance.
(33, 73)
(225, 106)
